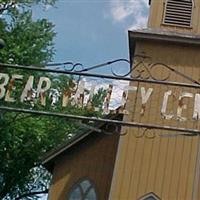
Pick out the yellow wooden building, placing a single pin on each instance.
(145, 164)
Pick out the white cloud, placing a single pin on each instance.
(131, 12)
(47, 7)
(120, 11)
(140, 23)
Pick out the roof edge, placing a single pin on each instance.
(51, 155)
(162, 36)
(168, 36)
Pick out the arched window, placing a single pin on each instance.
(150, 196)
(178, 12)
(83, 190)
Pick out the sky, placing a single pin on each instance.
(93, 31)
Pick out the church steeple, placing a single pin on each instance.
(175, 15)
(163, 165)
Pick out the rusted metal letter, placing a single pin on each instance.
(91, 94)
(68, 92)
(196, 113)
(164, 106)
(41, 90)
(145, 97)
(28, 87)
(79, 96)
(11, 87)
(107, 100)
(182, 106)
(5, 78)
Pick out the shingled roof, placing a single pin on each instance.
(48, 159)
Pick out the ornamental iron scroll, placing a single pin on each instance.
(145, 68)
(81, 88)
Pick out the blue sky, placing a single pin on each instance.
(93, 31)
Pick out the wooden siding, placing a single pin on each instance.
(91, 158)
(157, 14)
(156, 162)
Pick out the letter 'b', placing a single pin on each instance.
(5, 78)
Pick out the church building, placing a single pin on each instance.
(145, 163)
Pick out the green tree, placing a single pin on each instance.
(23, 138)
(27, 41)
(6, 6)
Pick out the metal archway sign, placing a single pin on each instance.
(146, 94)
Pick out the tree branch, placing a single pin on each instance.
(31, 194)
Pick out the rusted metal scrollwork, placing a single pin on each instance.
(78, 67)
(67, 66)
(144, 68)
(148, 133)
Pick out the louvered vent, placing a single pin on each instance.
(178, 12)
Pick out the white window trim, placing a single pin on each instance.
(77, 184)
(151, 194)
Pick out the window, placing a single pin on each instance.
(150, 196)
(178, 12)
(83, 190)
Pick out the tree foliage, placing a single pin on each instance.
(6, 6)
(23, 138)
(27, 41)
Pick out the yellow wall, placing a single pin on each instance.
(94, 159)
(157, 14)
(152, 161)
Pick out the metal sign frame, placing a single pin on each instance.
(127, 77)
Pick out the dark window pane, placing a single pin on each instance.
(150, 198)
(85, 185)
(75, 194)
(83, 190)
(91, 195)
